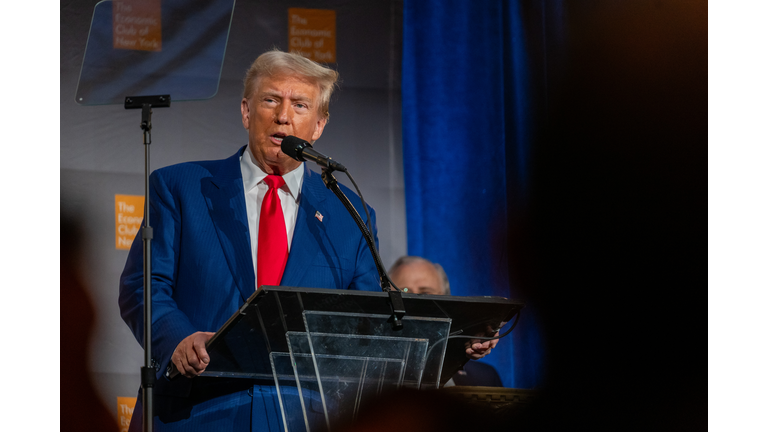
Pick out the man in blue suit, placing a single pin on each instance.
(205, 217)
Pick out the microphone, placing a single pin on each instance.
(302, 151)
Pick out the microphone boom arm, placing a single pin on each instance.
(395, 297)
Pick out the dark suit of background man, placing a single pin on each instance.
(208, 245)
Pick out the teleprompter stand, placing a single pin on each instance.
(328, 350)
(148, 371)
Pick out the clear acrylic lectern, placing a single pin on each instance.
(328, 350)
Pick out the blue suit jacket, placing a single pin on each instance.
(202, 269)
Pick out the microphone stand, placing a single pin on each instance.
(395, 295)
(148, 371)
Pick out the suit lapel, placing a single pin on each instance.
(309, 230)
(226, 204)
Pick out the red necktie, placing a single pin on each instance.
(272, 252)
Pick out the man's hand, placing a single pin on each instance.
(477, 349)
(190, 356)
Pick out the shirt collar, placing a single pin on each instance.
(253, 175)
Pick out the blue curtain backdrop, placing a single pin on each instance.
(467, 132)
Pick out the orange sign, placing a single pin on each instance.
(312, 33)
(129, 214)
(125, 407)
(136, 25)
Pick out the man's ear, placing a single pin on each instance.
(319, 128)
(246, 113)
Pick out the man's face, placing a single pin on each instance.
(419, 278)
(281, 105)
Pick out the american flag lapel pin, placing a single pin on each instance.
(319, 216)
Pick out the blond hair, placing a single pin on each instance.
(276, 62)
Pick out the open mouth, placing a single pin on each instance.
(278, 137)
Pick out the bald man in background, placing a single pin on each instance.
(422, 276)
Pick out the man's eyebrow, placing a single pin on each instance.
(295, 97)
(301, 98)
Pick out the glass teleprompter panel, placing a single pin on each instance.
(149, 47)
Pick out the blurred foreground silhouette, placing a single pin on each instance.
(81, 407)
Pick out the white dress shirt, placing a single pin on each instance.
(255, 190)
